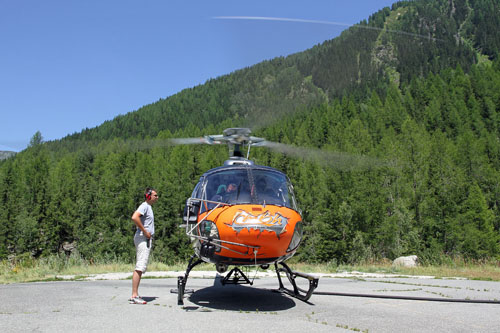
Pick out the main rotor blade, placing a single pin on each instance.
(349, 25)
(337, 160)
(188, 141)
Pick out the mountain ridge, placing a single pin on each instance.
(365, 57)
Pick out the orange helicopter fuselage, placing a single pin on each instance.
(252, 234)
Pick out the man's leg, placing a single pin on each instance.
(142, 257)
(136, 280)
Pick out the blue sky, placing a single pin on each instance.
(66, 65)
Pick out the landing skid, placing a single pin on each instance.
(236, 276)
(182, 280)
(297, 292)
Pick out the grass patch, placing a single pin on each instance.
(473, 270)
(27, 269)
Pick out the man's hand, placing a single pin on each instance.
(136, 217)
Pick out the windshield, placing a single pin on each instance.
(249, 186)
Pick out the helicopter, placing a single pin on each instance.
(243, 214)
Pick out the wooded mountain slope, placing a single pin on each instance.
(426, 102)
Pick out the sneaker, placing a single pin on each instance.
(136, 300)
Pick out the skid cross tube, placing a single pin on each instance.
(238, 278)
(297, 292)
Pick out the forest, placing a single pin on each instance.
(423, 108)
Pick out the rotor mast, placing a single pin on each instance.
(236, 138)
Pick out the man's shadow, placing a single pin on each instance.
(240, 298)
(149, 299)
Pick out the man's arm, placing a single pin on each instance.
(136, 217)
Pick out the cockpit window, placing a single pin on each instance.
(197, 192)
(249, 186)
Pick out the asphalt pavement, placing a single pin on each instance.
(102, 306)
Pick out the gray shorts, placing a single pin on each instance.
(142, 252)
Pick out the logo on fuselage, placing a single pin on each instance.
(263, 222)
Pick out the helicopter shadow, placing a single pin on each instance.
(239, 298)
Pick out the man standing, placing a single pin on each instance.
(145, 221)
